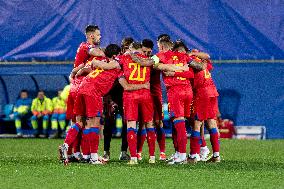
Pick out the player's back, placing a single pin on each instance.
(82, 55)
(178, 59)
(203, 82)
(133, 72)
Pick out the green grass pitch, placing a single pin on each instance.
(32, 163)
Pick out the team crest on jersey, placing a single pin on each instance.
(175, 58)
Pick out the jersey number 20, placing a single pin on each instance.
(136, 69)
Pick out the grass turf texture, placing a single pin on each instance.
(32, 163)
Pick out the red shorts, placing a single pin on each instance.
(138, 102)
(158, 110)
(180, 99)
(206, 108)
(70, 106)
(88, 106)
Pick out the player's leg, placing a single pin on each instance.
(92, 131)
(212, 128)
(141, 137)
(194, 142)
(161, 135)
(177, 112)
(204, 150)
(72, 134)
(107, 136)
(147, 112)
(130, 105)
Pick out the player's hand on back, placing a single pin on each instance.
(169, 73)
(147, 85)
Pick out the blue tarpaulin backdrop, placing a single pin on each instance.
(227, 29)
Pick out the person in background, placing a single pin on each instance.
(41, 109)
(226, 127)
(22, 111)
(58, 115)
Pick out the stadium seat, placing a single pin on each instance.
(16, 83)
(7, 110)
(50, 83)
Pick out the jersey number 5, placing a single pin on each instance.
(137, 69)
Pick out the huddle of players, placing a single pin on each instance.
(190, 90)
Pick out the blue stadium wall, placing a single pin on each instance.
(251, 94)
(227, 29)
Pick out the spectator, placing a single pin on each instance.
(59, 115)
(22, 111)
(41, 109)
(226, 127)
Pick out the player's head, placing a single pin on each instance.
(180, 46)
(93, 34)
(147, 47)
(125, 43)
(24, 93)
(112, 50)
(40, 94)
(136, 47)
(165, 44)
(163, 36)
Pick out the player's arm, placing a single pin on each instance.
(104, 65)
(85, 70)
(96, 52)
(186, 74)
(142, 61)
(197, 65)
(201, 55)
(74, 71)
(167, 67)
(132, 87)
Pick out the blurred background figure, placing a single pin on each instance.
(22, 111)
(226, 127)
(41, 109)
(58, 115)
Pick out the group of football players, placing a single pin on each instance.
(191, 94)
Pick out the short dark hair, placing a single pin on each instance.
(24, 91)
(125, 43)
(136, 45)
(163, 36)
(111, 50)
(91, 28)
(40, 91)
(179, 43)
(148, 43)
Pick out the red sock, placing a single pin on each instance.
(161, 138)
(94, 138)
(72, 134)
(194, 142)
(141, 137)
(181, 135)
(77, 142)
(151, 139)
(214, 139)
(132, 141)
(203, 141)
(70, 150)
(174, 137)
(85, 146)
